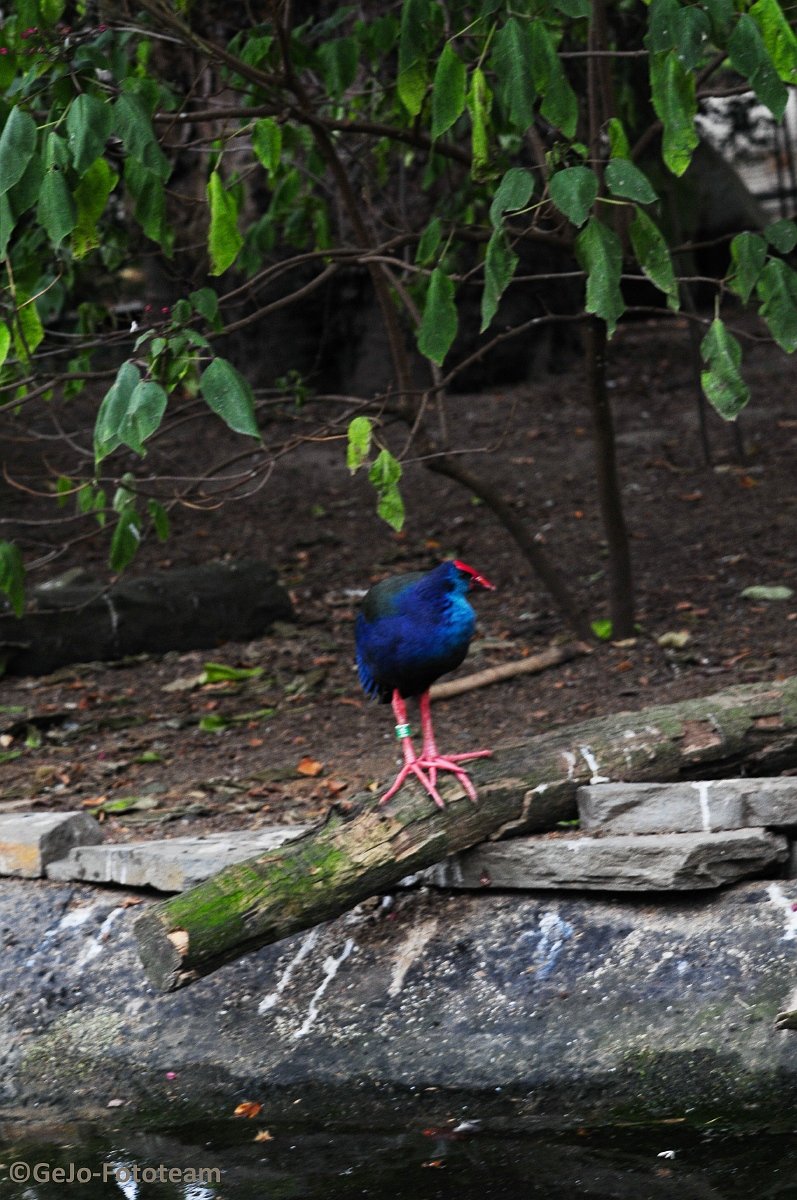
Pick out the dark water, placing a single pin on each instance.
(221, 1160)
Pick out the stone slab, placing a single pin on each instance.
(30, 841)
(689, 806)
(647, 862)
(583, 1007)
(172, 864)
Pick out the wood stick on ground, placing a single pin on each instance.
(525, 788)
(532, 665)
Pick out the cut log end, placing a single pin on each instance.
(163, 953)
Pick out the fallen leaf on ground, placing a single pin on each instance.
(674, 639)
(309, 766)
(763, 592)
(247, 1108)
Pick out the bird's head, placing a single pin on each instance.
(470, 577)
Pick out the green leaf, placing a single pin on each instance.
(385, 475)
(146, 188)
(429, 241)
(722, 382)
(448, 91)
(359, 442)
(574, 8)
(692, 36)
(413, 55)
(662, 19)
(776, 288)
(339, 64)
(229, 395)
(514, 68)
(513, 193)
(126, 539)
(479, 101)
(782, 235)
(8, 220)
(112, 412)
(88, 123)
(56, 152)
(51, 10)
(675, 102)
(5, 342)
(28, 329)
(438, 326)
(619, 146)
(145, 408)
(12, 576)
(599, 251)
(626, 180)
(267, 143)
(206, 302)
(160, 519)
(767, 592)
(214, 672)
(224, 237)
(602, 628)
(574, 191)
(778, 37)
(721, 14)
(500, 264)
(91, 197)
(560, 103)
(214, 723)
(17, 147)
(134, 127)
(653, 256)
(56, 210)
(748, 255)
(750, 57)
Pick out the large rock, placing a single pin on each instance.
(575, 1007)
(29, 841)
(648, 862)
(689, 805)
(172, 864)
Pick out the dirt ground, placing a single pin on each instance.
(154, 751)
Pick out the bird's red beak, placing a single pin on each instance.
(476, 580)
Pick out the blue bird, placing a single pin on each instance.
(410, 630)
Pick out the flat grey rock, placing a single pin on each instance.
(29, 841)
(593, 1007)
(647, 862)
(170, 865)
(695, 806)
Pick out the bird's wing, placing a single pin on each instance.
(384, 599)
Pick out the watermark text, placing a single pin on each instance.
(109, 1172)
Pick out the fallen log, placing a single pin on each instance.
(191, 608)
(523, 789)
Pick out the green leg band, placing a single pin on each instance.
(403, 731)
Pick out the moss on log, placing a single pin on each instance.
(527, 788)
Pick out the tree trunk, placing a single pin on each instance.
(523, 789)
(621, 588)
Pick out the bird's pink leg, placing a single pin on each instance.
(412, 764)
(433, 761)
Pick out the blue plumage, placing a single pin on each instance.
(413, 628)
(410, 630)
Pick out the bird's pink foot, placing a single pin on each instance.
(413, 767)
(434, 762)
(425, 767)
